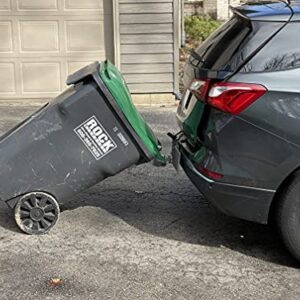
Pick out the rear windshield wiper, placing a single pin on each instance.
(197, 56)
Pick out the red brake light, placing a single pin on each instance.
(208, 173)
(234, 97)
(200, 88)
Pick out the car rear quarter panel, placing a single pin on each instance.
(271, 127)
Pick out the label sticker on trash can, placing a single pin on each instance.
(95, 137)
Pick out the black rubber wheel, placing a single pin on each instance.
(36, 213)
(288, 216)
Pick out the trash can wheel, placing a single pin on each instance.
(36, 212)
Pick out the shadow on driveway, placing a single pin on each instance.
(172, 208)
(162, 203)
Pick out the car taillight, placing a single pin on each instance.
(232, 97)
(208, 173)
(200, 88)
(229, 97)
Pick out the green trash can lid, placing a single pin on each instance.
(115, 83)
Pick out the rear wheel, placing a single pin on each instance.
(288, 216)
(36, 213)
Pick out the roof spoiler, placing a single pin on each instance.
(263, 9)
(238, 11)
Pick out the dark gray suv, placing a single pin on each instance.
(240, 117)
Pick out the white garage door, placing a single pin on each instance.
(41, 41)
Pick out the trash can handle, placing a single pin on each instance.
(106, 70)
(83, 73)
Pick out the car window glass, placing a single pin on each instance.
(217, 50)
(228, 47)
(281, 53)
(261, 32)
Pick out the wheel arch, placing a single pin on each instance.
(277, 197)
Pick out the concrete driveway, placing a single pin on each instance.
(144, 234)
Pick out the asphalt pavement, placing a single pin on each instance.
(146, 233)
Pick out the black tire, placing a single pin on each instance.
(288, 216)
(36, 213)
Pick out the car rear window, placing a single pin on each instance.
(281, 53)
(228, 48)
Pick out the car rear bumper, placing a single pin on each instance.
(245, 202)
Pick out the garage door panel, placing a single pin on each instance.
(7, 78)
(39, 5)
(84, 35)
(42, 41)
(40, 77)
(6, 38)
(29, 31)
(5, 5)
(86, 4)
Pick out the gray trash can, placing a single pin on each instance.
(70, 144)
